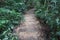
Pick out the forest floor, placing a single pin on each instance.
(30, 28)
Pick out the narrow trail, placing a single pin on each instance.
(29, 29)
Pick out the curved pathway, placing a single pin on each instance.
(29, 29)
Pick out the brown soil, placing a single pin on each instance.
(30, 28)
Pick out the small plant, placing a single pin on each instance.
(10, 16)
(8, 20)
(49, 11)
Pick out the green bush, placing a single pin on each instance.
(8, 20)
(10, 16)
(12, 4)
(49, 11)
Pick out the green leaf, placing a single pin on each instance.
(58, 33)
(57, 21)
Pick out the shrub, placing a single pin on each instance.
(8, 20)
(10, 16)
(49, 11)
(12, 4)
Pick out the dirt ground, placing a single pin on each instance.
(30, 28)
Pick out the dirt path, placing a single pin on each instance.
(29, 29)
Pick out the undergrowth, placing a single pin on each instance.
(49, 11)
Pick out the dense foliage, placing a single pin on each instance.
(30, 3)
(12, 4)
(49, 11)
(10, 16)
(8, 19)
